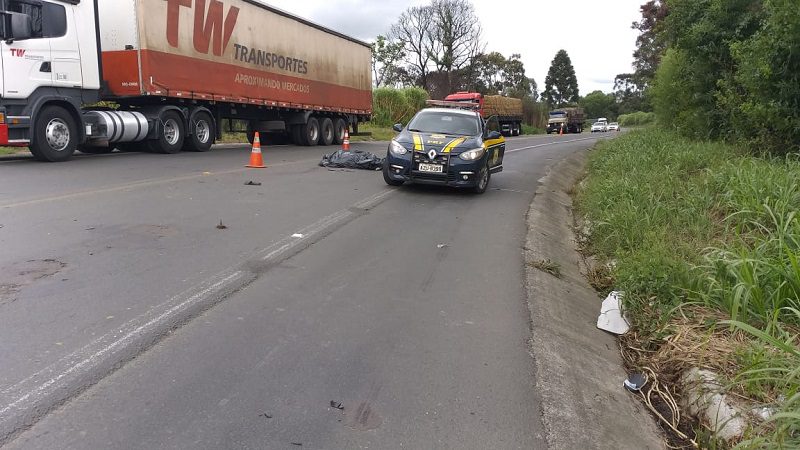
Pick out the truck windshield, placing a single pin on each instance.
(445, 123)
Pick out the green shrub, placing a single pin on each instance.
(636, 118)
(391, 106)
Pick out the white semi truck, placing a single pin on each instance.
(168, 71)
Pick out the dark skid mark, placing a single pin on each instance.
(362, 417)
(13, 278)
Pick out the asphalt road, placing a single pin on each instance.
(404, 305)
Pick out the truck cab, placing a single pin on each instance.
(49, 64)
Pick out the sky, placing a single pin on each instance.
(597, 35)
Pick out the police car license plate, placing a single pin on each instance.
(436, 168)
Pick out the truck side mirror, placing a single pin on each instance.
(21, 27)
(493, 135)
(398, 127)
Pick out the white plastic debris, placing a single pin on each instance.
(611, 318)
(297, 235)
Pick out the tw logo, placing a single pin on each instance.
(18, 52)
(210, 29)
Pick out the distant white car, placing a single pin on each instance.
(613, 126)
(598, 127)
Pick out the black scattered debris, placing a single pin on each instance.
(252, 183)
(337, 405)
(635, 382)
(299, 444)
(265, 415)
(221, 226)
(352, 160)
(89, 228)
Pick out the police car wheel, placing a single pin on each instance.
(483, 181)
(388, 179)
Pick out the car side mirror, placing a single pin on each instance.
(493, 135)
(21, 27)
(398, 127)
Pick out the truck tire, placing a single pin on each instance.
(339, 127)
(171, 133)
(202, 133)
(297, 134)
(55, 135)
(309, 133)
(327, 132)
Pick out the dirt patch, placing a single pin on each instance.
(15, 277)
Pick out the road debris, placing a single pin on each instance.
(337, 405)
(352, 160)
(221, 226)
(297, 235)
(265, 415)
(441, 245)
(89, 228)
(611, 316)
(635, 381)
(252, 183)
(298, 444)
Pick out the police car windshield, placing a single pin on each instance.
(444, 123)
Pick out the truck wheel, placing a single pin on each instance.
(95, 150)
(386, 177)
(327, 132)
(55, 135)
(309, 133)
(483, 180)
(297, 134)
(202, 133)
(171, 134)
(339, 127)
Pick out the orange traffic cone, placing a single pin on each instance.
(346, 141)
(561, 132)
(256, 162)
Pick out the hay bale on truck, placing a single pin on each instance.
(507, 109)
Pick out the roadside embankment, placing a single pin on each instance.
(579, 371)
(704, 239)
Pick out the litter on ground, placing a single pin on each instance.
(611, 317)
(352, 160)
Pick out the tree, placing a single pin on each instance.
(412, 31)
(442, 38)
(561, 84)
(455, 37)
(629, 92)
(488, 73)
(386, 59)
(650, 44)
(597, 104)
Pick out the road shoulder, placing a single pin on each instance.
(579, 372)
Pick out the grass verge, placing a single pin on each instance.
(705, 242)
(378, 133)
(12, 150)
(528, 129)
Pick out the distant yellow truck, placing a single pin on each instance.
(570, 120)
(508, 110)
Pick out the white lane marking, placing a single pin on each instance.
(218, 284)
(127, 337)
(551, 143)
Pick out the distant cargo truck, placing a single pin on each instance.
(168, 72)
(570, 120)
(508, 110)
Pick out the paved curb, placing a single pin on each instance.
(579, 371)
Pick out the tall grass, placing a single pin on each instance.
(636, 118)
(390, 106)
(700, 222)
